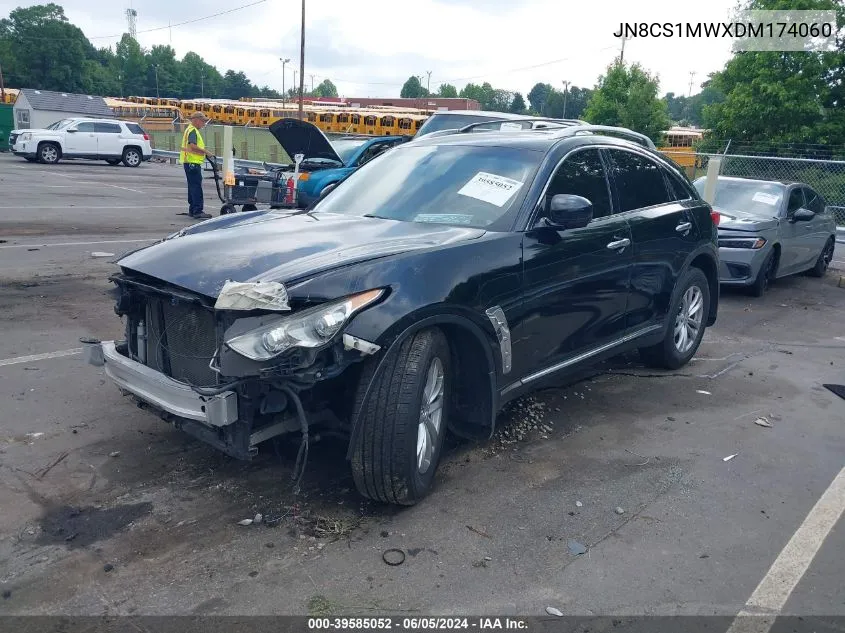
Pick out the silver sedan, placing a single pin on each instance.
(769, 230)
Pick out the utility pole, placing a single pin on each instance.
(428, 84)
(622, 52)
(294, 81)
(691, 76)
(312, 84)
(202, 83)
(284, 61)
(302, 61)
(565, 92)
(155, 66)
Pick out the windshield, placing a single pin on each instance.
(439, 122)
(345, 149)
(450, 184)
(758, 198)
(58, 124)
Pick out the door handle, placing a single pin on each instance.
(684, 227)
(619, 244)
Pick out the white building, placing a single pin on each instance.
(36, 109)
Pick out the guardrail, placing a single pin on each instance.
(239, 162)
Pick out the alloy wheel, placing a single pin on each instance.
(431, 415)
(689, 319)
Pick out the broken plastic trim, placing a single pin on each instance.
(257, 295)
(503, 333)
(353, 342)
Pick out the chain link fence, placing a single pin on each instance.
(825, 176)
(250, 143)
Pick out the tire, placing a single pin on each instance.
(393, 459)
(249, 207)
(227, 208)
(669, 353)
(765, 276)
(132, 157)
(113, 161)
(824, 259)
(49, 153)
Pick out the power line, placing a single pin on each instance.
(169, 26)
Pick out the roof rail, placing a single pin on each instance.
(610, 129)
(553, 123)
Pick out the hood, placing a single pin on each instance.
(302, 137)
(272, 246)
(743, 221)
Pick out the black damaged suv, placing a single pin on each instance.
(443, 279)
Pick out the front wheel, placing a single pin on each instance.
(48, 153)
(402, 423)
(825, 257)
(687, 318)
(765, 276)
(132, 157)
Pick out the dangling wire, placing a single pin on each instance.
(302, 456)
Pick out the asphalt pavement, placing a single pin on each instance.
(108, 510)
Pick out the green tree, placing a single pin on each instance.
(325, 89)
(576, 102)
(162, 60)
(627, 96)
(517, 104)
(412, 89)
(199, 78)
(44, 50)
(236, 85)
(132, 65)
(538, 95)
(447, 90)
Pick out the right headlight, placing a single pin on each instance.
(311, 328)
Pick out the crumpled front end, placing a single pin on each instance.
(216, 374)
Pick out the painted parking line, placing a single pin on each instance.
(151, 239)
(36, 357)
(770, 596)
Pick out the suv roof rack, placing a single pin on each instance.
(642, 139)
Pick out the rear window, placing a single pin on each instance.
(135, 128)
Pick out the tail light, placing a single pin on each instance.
(146, 136)
(716, 217)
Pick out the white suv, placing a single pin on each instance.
(96, 139)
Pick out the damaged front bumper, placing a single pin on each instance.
(160, 391)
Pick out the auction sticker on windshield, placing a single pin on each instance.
(490, 188)
(766, 198)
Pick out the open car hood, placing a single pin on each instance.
(302, 137)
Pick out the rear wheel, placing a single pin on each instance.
(48, 153)
(765, 276)
(403, 421)
(687, 318)
(132, 157)
(825, 257)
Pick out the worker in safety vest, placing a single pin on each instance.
(192, 154)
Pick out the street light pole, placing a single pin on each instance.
(302, 61)
(284, 61)
(202, 83)
(565, 92)
(428, 84)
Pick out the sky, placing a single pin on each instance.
(369, 48)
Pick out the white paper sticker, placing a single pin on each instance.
(766, 198)
(510, 126)
(490, 188)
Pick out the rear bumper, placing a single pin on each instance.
(160, 391)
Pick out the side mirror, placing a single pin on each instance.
(568, 211)
(803, 215)
(327, 190)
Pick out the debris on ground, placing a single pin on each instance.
(393, 557)
(577, 548)
(701, 391)
(480, 563)
(108, 567)
(553, 611)
(647, 459)
(619, 510)
(101, 254)
(245, 522)
(763, 422)
(479, 532)
(578, 504)
(258, 518)
(114, 454)
(269, 545)
(729, 457)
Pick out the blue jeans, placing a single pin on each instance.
(193, 173)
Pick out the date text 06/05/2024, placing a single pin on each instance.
(417, 624)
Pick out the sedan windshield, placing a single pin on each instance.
(345, 149)
(758, 198)
(447, 184)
